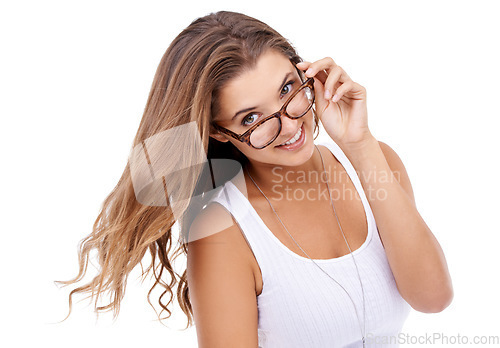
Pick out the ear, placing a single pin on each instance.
(219, 137)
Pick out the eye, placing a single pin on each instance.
(287, 88)
(251, 118)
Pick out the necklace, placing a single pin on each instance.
(362, 329)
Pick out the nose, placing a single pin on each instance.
(289, 126)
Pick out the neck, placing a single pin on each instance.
(271, 177)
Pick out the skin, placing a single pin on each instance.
(254, 88)
(224, 276)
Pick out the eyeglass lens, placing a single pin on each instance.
(297, 107)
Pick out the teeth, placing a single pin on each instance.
(294, 139)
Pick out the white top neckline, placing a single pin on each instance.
(361, 194)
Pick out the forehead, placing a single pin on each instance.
(255, 87)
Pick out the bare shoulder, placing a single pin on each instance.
(398, 169)
(221, 281)
(213, 221)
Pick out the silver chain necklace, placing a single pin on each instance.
(362, 329)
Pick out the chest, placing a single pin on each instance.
(305, 209)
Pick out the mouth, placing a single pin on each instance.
(294, 142)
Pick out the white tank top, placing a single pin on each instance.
(300, 306)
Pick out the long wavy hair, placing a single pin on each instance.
(199, 62)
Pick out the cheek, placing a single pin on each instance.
(310, 120)
(239, 145)
(244, 148)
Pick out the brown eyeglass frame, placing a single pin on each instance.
(245, 137)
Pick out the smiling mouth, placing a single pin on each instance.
(294, 138)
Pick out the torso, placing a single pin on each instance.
(312, 223)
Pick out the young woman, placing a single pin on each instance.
(308, 245)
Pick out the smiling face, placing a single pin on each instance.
(260, 92)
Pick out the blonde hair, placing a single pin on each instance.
(207, 54)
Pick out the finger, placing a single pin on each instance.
(346, 87)
(303, 65)
(322, 75)
(333, 81)
(320, 101)
(326, 64)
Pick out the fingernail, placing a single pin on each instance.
(328, 94)
(308, 71)
(335, 98)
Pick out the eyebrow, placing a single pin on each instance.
(254, 107)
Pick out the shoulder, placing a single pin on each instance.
(221, 281)
(215, 239)
(210, 222)
(398, 169)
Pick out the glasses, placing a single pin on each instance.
(267, 130)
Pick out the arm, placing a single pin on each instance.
(415, 256)
(221, 283)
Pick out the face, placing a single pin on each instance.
(260, 92)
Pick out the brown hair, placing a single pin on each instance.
(207, 54)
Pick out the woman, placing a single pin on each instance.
(275, 258)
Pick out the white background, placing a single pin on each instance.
(74, 78)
